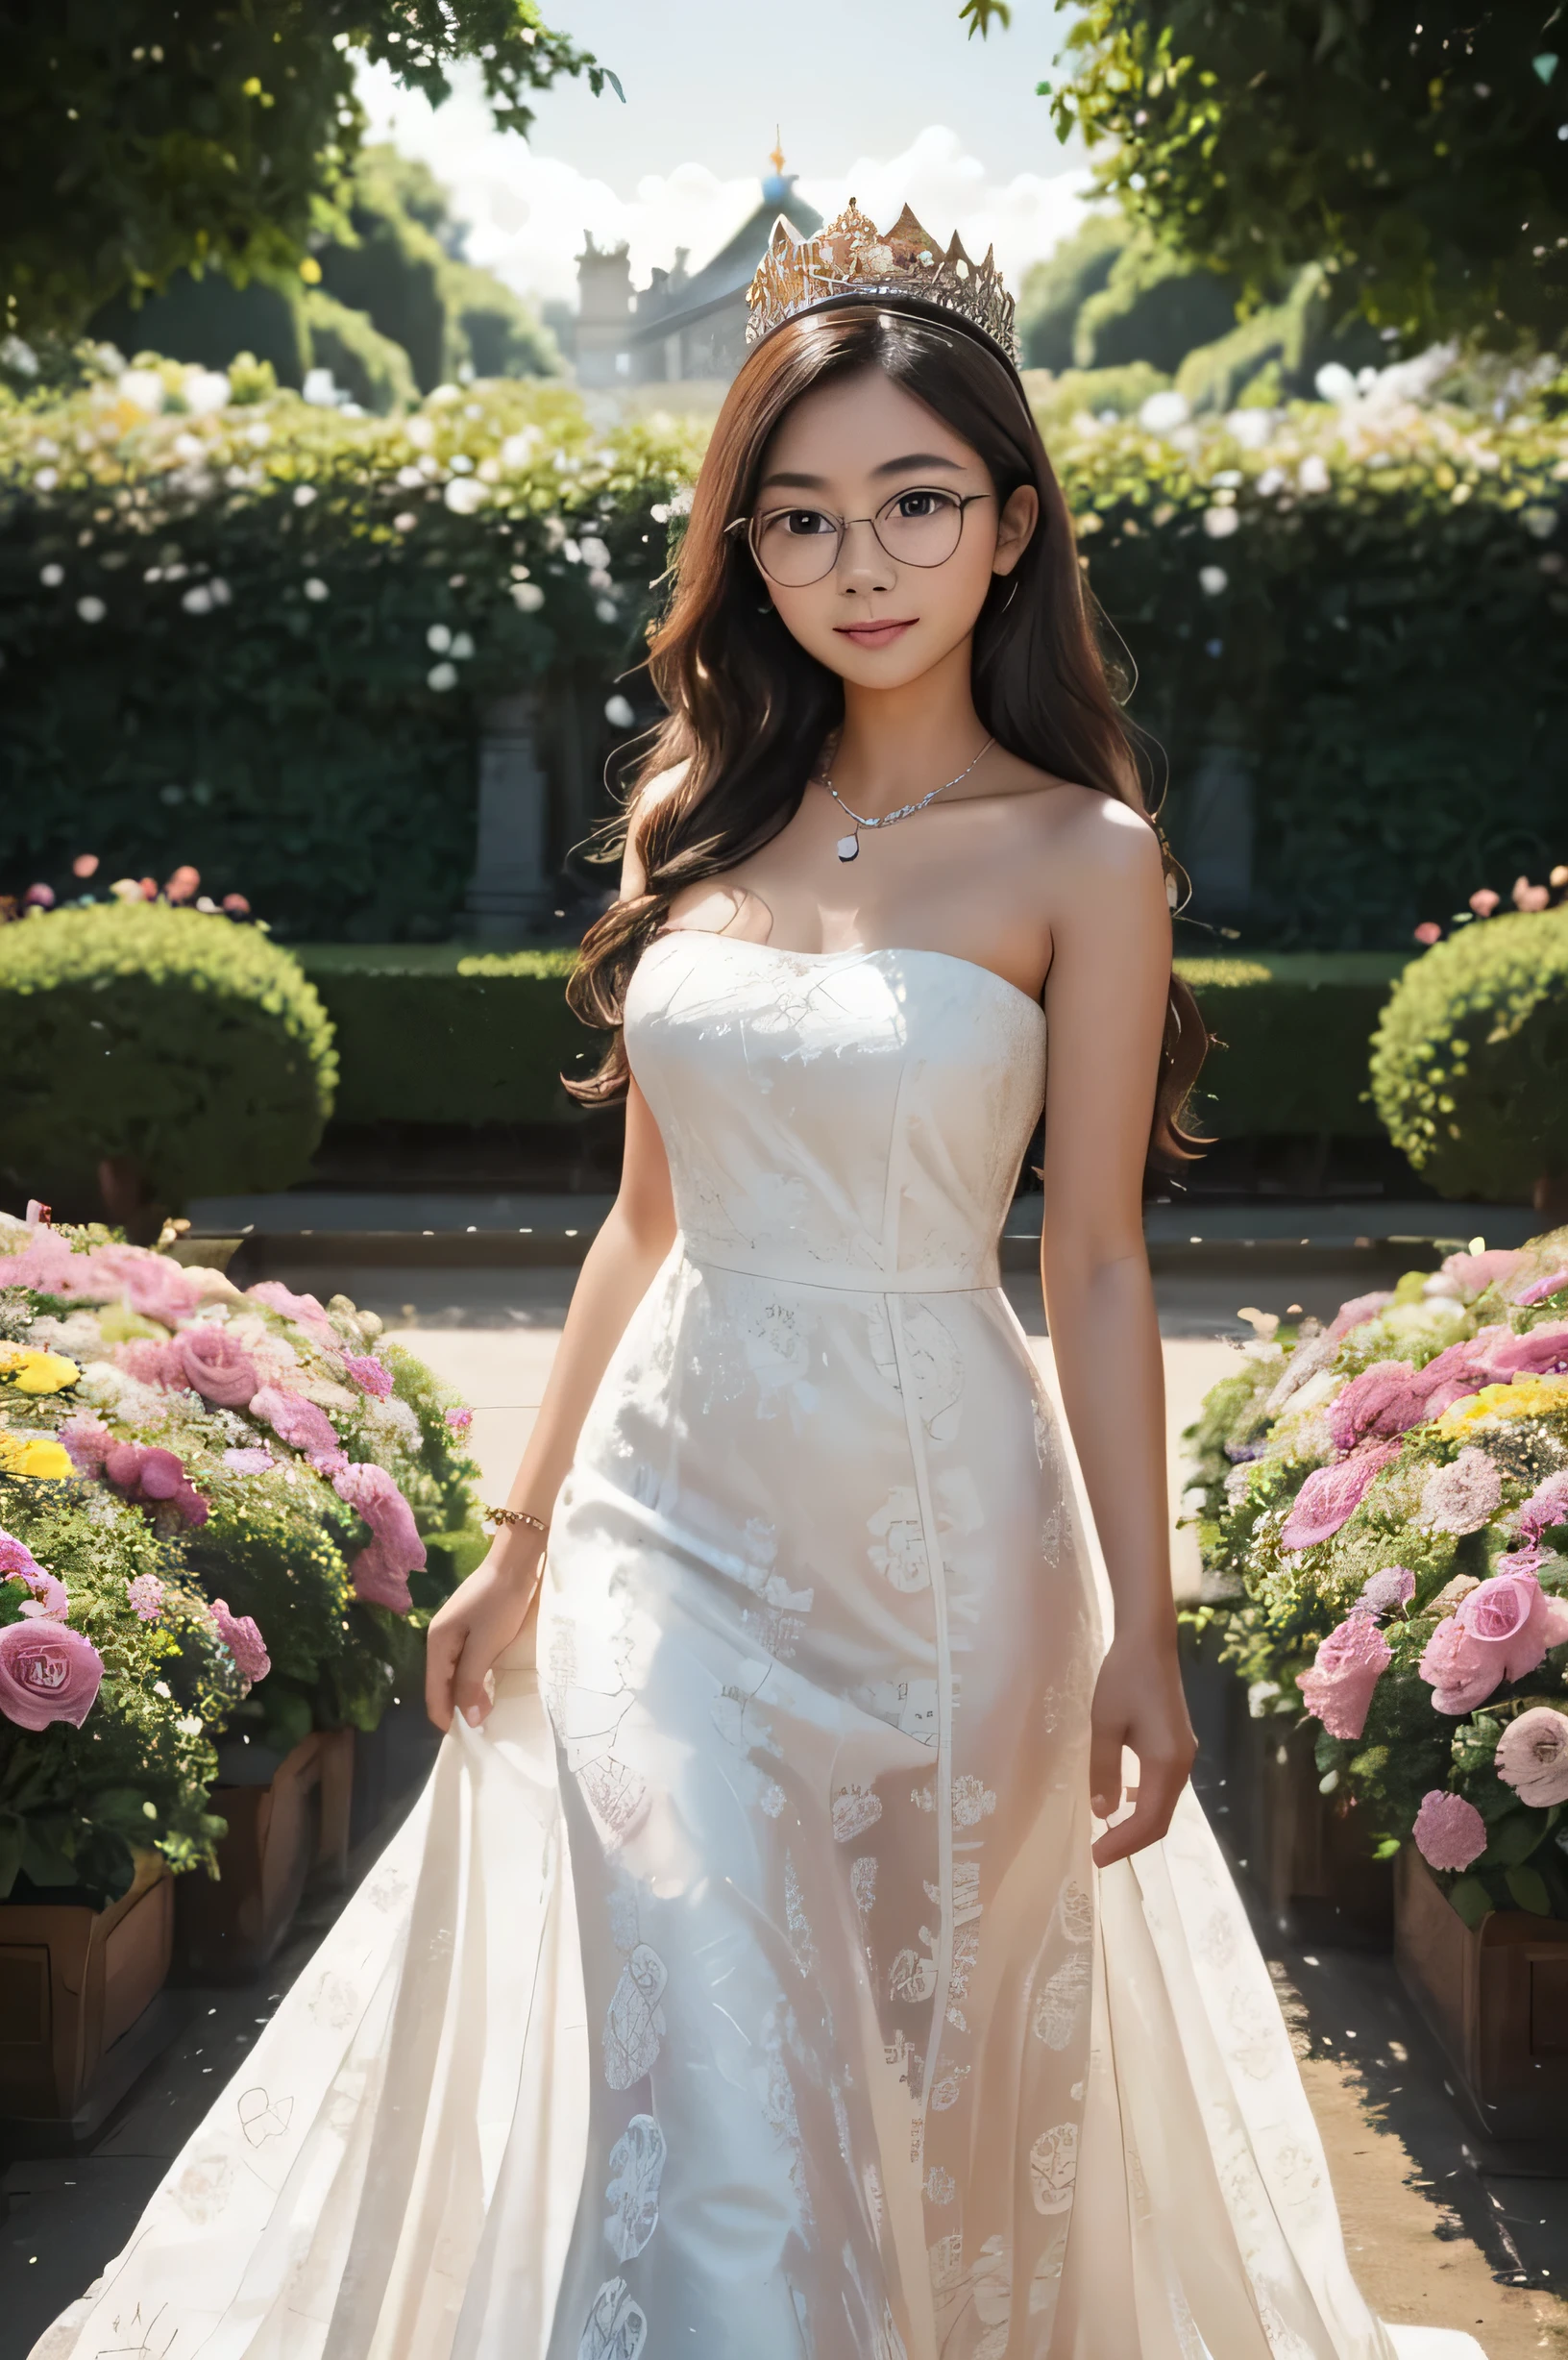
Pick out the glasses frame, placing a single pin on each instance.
(754, 523)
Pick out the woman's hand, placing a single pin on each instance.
(1138, 1704)
(477, 1623)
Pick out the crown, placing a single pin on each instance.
(851, 256)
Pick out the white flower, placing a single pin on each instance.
(601, 579)
(161, 1687)
(606, 610)
(190, 1725)
(528, 597)
(198, 598)
(219, 591)
(618, 713)
(52, 576)
(319, 389)
(518, 449)
(420, 432)
(188, 447)
(593, 550)
(1162, 411)
(144, 387)
(1334, 382)
(1250, 427)
(462, 647)
(315, 589)
(464, 494)
(1542, 522)
(205, 390)
(1212, 579)
(489, 471)
(1272, 479)
(410, 477)
(461, 464)
(404, 523)
(92, 610)
(1221, 523)
(438, 639)
(441, 676)
(304, 494)
(46, 478)
(1312, 476)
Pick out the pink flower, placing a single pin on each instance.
(1546, 1506)
(160, 1290)
(294, 1420)
(151, 1363)
(1358, 1311)
(1463, 1497)
(17, 1563)
(1381, 1592)
(1428, 933)
(1532, 1757)
(40, 898)
(146, 1595)
(86, 1442)
(460, 1420)
(1449, 1832)
(1332, 1494)
(48, 1672)
(1538, 1352)
(381, 1573)
(1350, 1662)
(1541, 1289)
(43, 1264)
(1512, 1613)
(153, 1477)
(185, 884)
(215, 1365)
(1529, 897)
(301, 1307)
(1476, 1273)
(1458, 1369)
(1484, 902)
(84, 865)
(243, 1640)
(1460, 1669)
(255, 1462)
(237, 905)
(372, 1376)
(1385, 1399)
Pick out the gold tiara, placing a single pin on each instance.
(851, 256)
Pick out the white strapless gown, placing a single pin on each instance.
(744, 1985)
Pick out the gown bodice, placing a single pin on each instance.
(853, 1119)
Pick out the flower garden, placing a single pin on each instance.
(226, 1516)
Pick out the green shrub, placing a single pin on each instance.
(366, 365)
(1054, 291)
(1295, 1029)
(1468, 1064)
(189, 1047)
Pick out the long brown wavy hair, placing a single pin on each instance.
(748, 710)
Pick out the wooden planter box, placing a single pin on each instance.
(288, 1819)
(1496, 1998)
(1309, 1855)
(83, 2009)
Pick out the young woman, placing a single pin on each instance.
(832, 2028)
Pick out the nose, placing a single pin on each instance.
(863, 563)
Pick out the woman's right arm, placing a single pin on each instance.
(486, 1613)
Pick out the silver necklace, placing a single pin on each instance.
(848, 848)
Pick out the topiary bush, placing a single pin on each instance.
(1469, 1058)
(188, 1054)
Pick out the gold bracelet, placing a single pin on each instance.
(514, 1516)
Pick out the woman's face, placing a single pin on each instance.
(889, 600)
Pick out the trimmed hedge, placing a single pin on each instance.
(1470, 1062)
(188, 1045)
(441, 1034)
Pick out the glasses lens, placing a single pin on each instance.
(921, 527)
(795, 546)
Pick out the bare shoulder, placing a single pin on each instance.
(1078, 838)
(648, 796)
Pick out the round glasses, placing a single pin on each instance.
(796, 546)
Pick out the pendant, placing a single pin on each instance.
(848, 848)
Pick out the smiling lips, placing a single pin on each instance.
(875, 635)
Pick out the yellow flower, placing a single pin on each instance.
(35, 1454)
(1525, 1397)
(36, 1372)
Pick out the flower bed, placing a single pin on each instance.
(1383, 1508)
(221, 1512)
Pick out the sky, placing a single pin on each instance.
(885, 99)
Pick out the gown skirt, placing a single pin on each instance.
(744, 1983)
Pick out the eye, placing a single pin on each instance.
(801, 522)
(913, 506)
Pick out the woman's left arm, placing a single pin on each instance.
(1105, 1002)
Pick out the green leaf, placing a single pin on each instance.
(1471, 1899)
(1529, 1890)
(11, 1853)
(1514, 1838)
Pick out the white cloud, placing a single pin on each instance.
(526, 211)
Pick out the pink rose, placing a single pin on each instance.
(303, 1309)
(48, 1672)
(1449, 1832)
(1381, 1592)
(1385, 1399)
(1350, 1662)
(1474, 1273)
(381, 1573)
(1538, 1352)
(1332, 1494)
(160, 1290)
(1541, 1289)
(1458, 1369)
(1462, 1497)
(17, 1563)
(1546, 1506)
(1460, 1669)
(1512, 1613)
(372, 1376)
(151, 1477)
(1358, 1311)
(43, 1265)
(217, 1367)
(293, 1419)
(243, 1640)
(1532, 1757)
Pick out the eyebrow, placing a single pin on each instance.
(889, 467)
